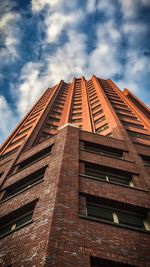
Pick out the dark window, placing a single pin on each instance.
(113, 214)
(98, 262)
(50, 126)
(139, 135)
(29, 122)
(119, 105)
(102, 128)
(57, 108)
(98, 113)
(77, 105)
(95, 108)
(139, 105)
(17, 219)
(126, 116)
(77, 109)
(43, 153)
(108, 174)
(57, 113)
(7, 154)
(146, 160)
(100, 120)
(95, 102)
(132, 124)
(17, 141)
(93, 98)
(23, 131)
(123, 110)
(104, 150)
(77, 114)
(1, 174)
(24, 184)
(53, 119)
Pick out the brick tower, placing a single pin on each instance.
(75, 180)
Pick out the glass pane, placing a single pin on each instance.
(120, 180)
(25, 219)
(100, 212)
(131, 219)
(95, 173)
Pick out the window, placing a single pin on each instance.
(43, 153)
(104, 150)
(119, 105)
(1, 174)
(43, 136)
(132, 124)
(100, 120)
(95, 102)
(108, 174)
(57, 113)
(98, 209)
(123, 110)
(139, 135)
(102, 128)
(24, 131)
(50, 126)
(146, 160)
(7, 154)
(17, 219)
(97, 107)
(57, 108)
(24, 184)
(98, 262)
(29, 122)
(93, 98)
(77, 114)
(126, 116)
(98, 113)
(54, 119)
(77, 105)
(109, 135)
(17, 141)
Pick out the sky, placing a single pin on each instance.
(44, 41)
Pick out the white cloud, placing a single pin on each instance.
(29, 88)
(32, 82)
(8, 120)
(91, 6)
(57, 22)
(130, 7)
(38, 5)
(10, 34)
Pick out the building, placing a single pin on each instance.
(75, 180)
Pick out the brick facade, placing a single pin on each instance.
(47, 221)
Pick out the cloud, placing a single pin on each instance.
(9, 33)
(33, 81)
(64, 34)
(29, 87)
(130, 9)
(8, 119)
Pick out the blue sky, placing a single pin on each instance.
(44, 41)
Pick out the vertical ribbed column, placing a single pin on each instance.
(112, 119)
(86, 118)
(137, 111)
(35, 135)
(68, 105)
(139, 108)
(27, 125)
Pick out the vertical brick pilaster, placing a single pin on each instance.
(86, 118)
(112, 119)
